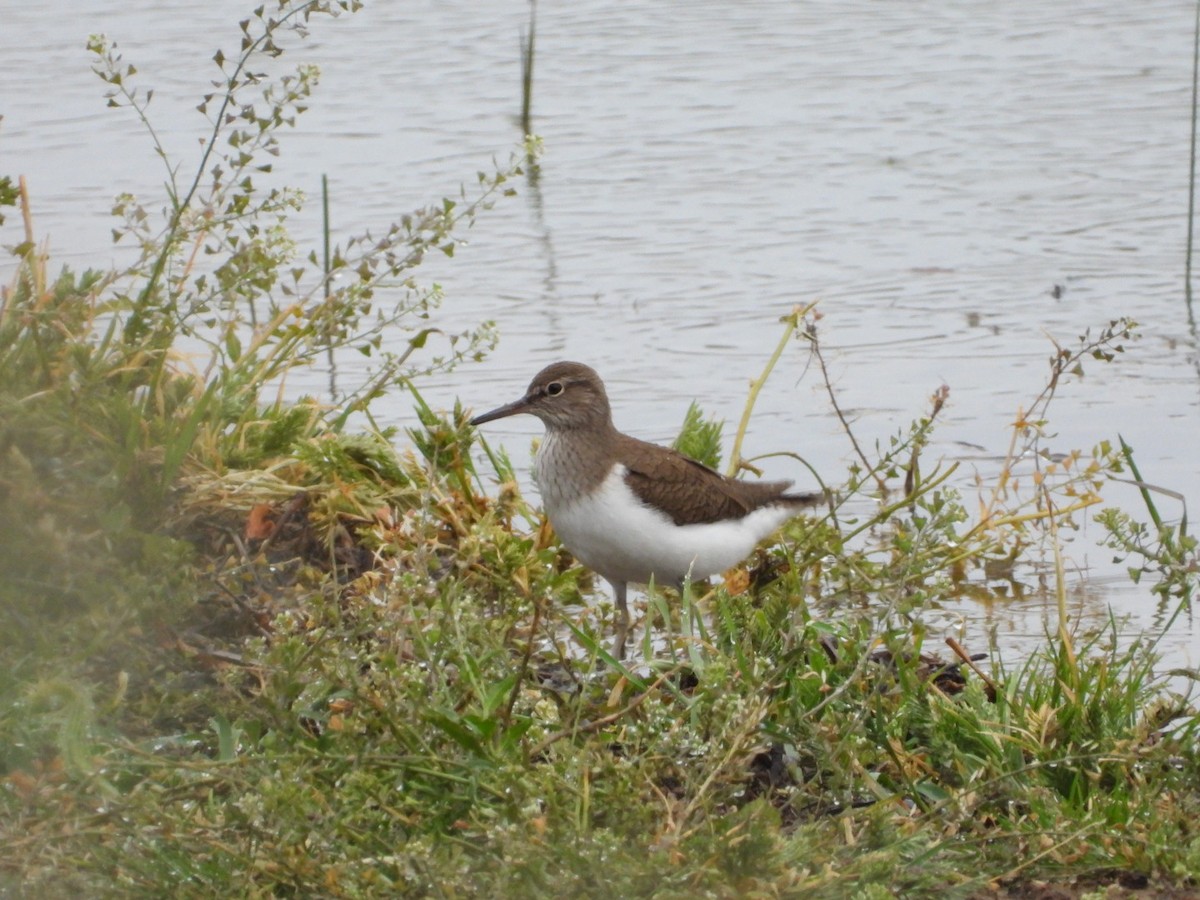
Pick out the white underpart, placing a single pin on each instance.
(615, 534)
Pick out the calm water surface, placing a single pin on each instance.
(957, 184)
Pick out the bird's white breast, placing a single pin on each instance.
(611, 531)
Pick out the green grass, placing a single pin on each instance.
(428, 725)
(255, 650)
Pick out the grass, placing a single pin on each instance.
(526, 46)
(255, 650)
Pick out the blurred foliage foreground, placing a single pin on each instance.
(252, 649)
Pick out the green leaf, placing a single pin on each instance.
(457, 732)
(700, 439)
(228, 737)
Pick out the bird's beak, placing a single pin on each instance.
(508, 409)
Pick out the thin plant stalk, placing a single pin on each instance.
(792, 323)
(527, 52)
(1191, 219)
(327, 270)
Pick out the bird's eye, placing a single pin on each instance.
(554, 388)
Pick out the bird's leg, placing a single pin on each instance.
(619, 588)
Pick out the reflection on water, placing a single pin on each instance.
(955, 182)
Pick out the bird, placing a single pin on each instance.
(634, 511)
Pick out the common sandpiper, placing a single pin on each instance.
(634, 511)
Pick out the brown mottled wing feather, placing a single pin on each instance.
(691, 493)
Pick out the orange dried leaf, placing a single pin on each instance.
(22, 783)
(614, 696)
(737, 582)
(260, 524)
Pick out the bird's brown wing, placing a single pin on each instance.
(690, 492)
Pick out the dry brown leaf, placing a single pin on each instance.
(737, 582)
(260, 524)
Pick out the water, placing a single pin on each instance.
(956, 183)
